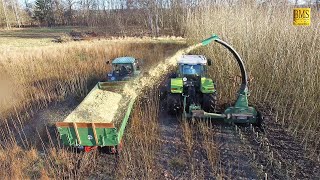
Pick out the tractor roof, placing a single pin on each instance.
(193, 59)
(124, 60)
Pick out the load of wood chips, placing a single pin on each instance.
(98, 106)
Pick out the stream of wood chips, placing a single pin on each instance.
(106, 106)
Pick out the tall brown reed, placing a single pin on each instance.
(282, 60)
(50, 74)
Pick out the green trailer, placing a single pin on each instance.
(85, 131)
(101, 118)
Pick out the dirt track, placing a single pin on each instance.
(278, 153)
(177, 164)
(242, 155)
(245, 152)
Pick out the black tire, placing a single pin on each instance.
(260, 123)
(174, 104)
(209, 102)
(163, 92)
(165, 87)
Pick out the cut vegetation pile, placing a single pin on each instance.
(98, 106)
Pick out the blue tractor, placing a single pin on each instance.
(123, 70)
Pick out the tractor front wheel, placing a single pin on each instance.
(209, 102)
(174, 104)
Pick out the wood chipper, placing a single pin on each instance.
(101, 118)
(193, 94)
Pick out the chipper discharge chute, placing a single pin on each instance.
(101, 118)
(193, 94)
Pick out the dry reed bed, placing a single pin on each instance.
(53, 73)
(35, 77)
(282, 61)
(141, 143)
(137, 159)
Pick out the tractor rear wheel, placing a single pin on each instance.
(174, 104)
(209, 102)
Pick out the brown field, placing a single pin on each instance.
(42, 82)
(282, 61)
(38, 78)
(283, 65)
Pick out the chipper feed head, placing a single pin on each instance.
(241, 115)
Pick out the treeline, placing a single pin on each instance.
(153, 16)
(120, 15)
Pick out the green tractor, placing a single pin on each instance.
(191, 81)
(193, 94)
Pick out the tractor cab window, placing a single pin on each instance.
(123, 69)
(192, 69)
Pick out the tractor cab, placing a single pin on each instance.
(191, 86)
(193, 66)
(123, 69)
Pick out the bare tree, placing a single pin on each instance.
(148, 15)
(6, 15)
(16, 12)
(69, 11)
(152, 9)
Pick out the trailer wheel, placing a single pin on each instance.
(209, 102)
(116, 150)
